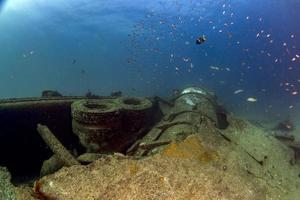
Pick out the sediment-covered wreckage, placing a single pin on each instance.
(188, 147)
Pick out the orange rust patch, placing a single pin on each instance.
(190, 148)
(38, 193)
(37, 186)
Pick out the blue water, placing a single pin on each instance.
(144, 47)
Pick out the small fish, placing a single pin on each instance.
(251, 99)
(294, 93)
(201, 39)
(186, 59)
(214, 68)
(238, 91)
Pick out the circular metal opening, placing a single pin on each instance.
(96, 106)
(132, 101)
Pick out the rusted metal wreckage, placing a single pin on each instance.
(38, 136)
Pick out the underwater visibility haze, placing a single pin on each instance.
(150, 99)
(250, 57)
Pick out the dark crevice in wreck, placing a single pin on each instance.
(22, 150)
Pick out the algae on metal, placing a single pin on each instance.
(7, 190)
